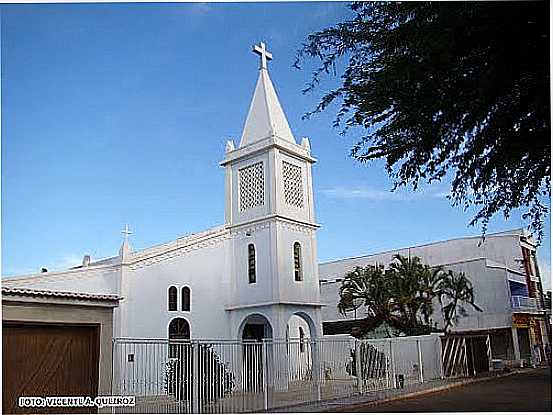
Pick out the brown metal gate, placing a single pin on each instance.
(48, 360)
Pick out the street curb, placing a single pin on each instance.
(422, 392)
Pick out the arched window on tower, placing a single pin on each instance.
(172, 299)
(185, 300)
(251, 263)
(298, 272)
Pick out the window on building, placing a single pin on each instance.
(298, 272)
(172, 299)
(302, 340)
(251, 263)
(185, 299)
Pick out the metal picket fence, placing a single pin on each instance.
(203, 376)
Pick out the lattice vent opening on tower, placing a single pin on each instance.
(293, 184)
(252, 186)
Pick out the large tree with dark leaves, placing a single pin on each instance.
(448, 87)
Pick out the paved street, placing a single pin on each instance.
(530, 391)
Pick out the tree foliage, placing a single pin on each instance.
(448, 86)
(405, 294)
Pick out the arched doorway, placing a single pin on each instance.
(180, 358)
(253, 330)
(299, 347)
(179, 329)
(255, 327)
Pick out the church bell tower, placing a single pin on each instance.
(270, 214)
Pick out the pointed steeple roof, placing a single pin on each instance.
(265, 117)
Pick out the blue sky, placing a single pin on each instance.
(119, 113)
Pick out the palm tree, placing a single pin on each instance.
(404, 295)
(453, 291)
(367, 288)
(412, 288)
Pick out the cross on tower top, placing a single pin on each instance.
(265, 55)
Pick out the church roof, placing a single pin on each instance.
(266, 117)
(51, 293)
(113, 260)
(188, 240)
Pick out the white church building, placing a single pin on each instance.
(255, 276)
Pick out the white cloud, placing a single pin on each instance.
(378, 195)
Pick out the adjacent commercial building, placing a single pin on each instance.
(507, 284)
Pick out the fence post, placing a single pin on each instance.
(440, 355)
(489, 352)
(419, 353)
(472, 356)
(113, 367)
(113, 379)
(358, 366)
(264, 361)
(392, 364)
(316, 363)
(466, 357)
(195, 378)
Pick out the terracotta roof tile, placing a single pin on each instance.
(66, 294)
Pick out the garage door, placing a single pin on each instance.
(48, 360)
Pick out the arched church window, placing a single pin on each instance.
(185, 303)
(302, 340)
(172, 299)
(251, 263)
(298, 272)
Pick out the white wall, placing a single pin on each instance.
(307, 290)
(204, 271)
(491, 292)
(501, 248)
(262, 236)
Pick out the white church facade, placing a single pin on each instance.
(254, 277)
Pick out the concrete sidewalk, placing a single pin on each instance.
(383, 396)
